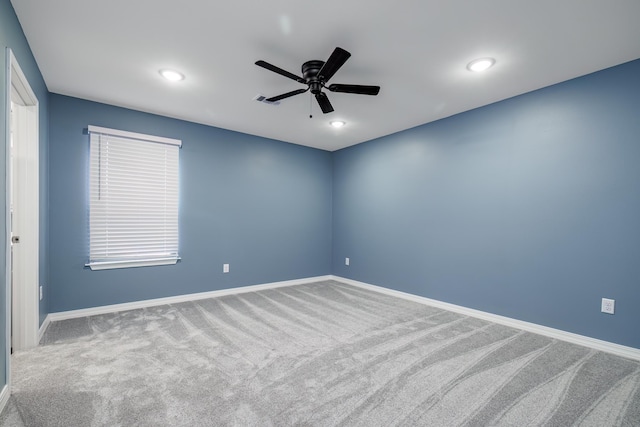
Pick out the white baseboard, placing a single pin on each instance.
(43, 327)
(72, 314)
(4, 397)
(606, 346)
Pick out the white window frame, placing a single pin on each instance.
(107, 261)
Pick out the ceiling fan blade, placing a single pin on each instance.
(333, 64)
(357, 89)
(286, 95)
(324, 103)
(280, 71)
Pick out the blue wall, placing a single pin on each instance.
(527, 208)
(262, 206)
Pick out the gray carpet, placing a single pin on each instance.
(324, 354)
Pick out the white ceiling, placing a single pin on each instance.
(416, 50)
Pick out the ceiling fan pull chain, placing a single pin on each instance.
(310, 106)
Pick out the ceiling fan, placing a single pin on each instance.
(315, 75)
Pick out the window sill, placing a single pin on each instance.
(109, 265)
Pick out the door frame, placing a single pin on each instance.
(24, 321)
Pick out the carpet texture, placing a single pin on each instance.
(323, 354)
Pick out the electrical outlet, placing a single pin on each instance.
(40, 292)
(346, 261)
(225, 268)
(608, 305)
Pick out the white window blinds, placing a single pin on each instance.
(133, 199)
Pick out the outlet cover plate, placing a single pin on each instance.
(608, 306)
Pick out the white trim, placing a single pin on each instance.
(43, 327)
(25, 268)
(109, 265)
(7, 225)
(609, 347)
(5, 394)
(105, 309)
(606, 346)
(134, 135)
(21, 83)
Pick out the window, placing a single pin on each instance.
(133, 199)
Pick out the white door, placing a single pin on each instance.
(23, 215)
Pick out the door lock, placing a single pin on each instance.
(15, 239)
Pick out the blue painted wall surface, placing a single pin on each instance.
(262, 206)
(527, 208)
(11, 36)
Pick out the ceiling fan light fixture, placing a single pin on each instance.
(337, 123)
(171, 75)
(481, 64)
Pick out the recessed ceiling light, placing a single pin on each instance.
(337, 123)
(481, 64)
(171, 75)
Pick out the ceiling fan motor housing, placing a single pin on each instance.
(310, 70)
